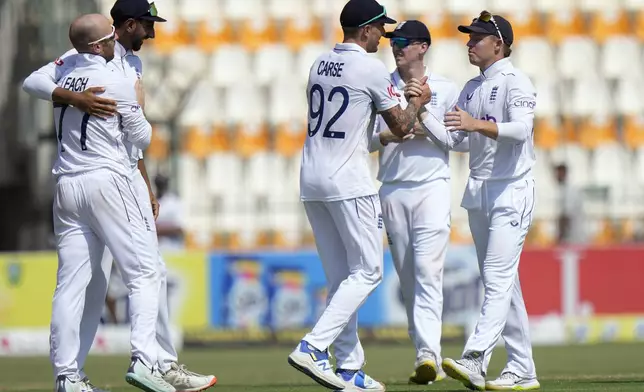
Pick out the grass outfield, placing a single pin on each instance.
(614, 367)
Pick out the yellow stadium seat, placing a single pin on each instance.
(159, 145)
(607, 24)
(255, 33)
(560, 25)
(197, 141)
(168, 36)
(250, 138)
(634, 131)
(297, 33)
(596, 131)
(547, 133)
(289, 138)
(211, 35)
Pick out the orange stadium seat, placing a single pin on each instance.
(289, 137)
(639, 25)
(547, 132)
(300, 31)
(634, 131)
(606, 24)
(255, 33)
(219, 139)
(440, 25)
(159, 148)
(597, 130)
(211, 34)
(169, 35)
(560, 25)
(525, 24)
(196, 141)
(250, 138)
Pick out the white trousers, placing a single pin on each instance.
(417, 220)
(348, 237)
(499, 230)
(97, 291)
(93, 210)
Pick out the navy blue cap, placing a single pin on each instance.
(481, 27)
(411, 29)
(135, 9)
(358, 13)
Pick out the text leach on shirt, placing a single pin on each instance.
(346, 89)
(419, 159)
(42, 82)
(87, 143)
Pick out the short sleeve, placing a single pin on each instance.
(380, 87)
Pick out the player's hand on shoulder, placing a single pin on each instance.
(89, 102)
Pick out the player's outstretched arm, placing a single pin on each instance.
(436, 130)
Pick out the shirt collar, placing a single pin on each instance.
(120, 51)
(88, 58)
(496, 68)
(349, 47)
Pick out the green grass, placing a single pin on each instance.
(609, 367)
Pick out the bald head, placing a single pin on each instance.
(88, 28)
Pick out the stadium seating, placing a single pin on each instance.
(226, 92)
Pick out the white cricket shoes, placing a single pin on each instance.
(66, 384)
(427, 372)
(509, 381)
(315, 364)
(466, 370)
(149, 380)
(358, 381)
(184, 380)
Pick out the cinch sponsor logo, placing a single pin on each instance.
(525, 104)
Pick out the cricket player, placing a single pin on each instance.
(346, 89)
(495, 113)
(134, 21)
(415, 199)
(94, 206)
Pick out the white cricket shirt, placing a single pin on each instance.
(506, 96)
(43, 82)
(346, 89)
(418, 159)
(87, 143)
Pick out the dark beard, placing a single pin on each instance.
(136, 45)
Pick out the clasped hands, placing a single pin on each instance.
(456, 120)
